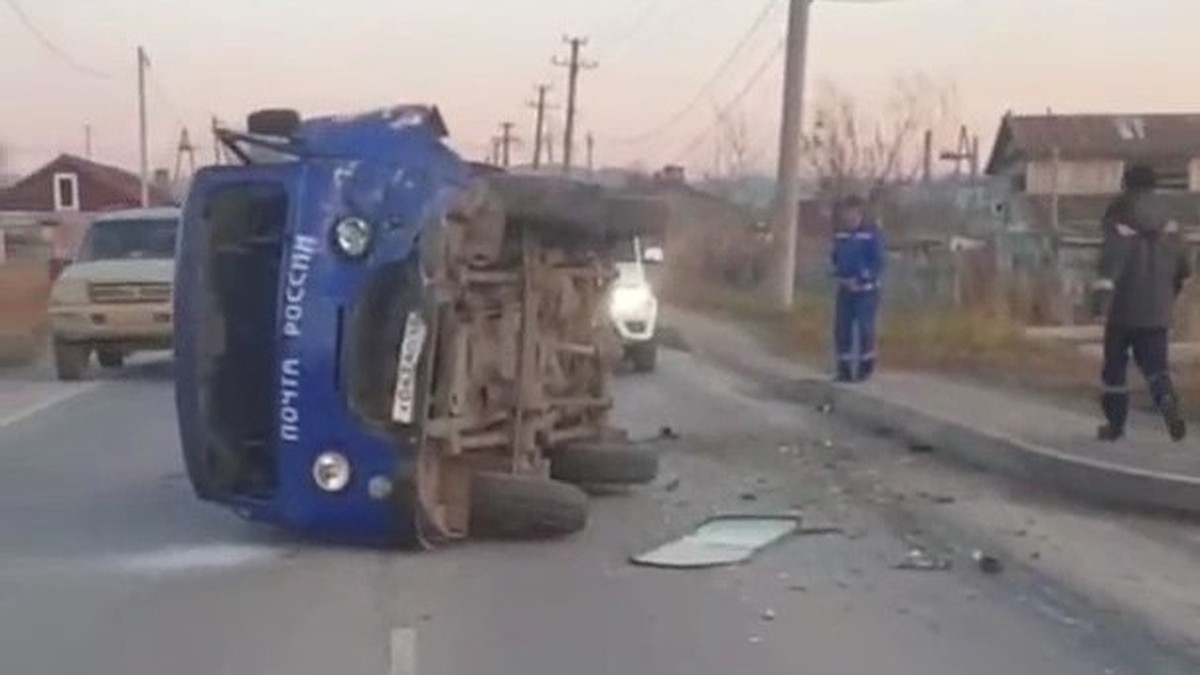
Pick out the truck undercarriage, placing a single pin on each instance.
(482, 355)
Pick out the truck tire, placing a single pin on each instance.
(604, 463)
(273, 122)
(110, 358)
(644, 355)
(70, 360)
(525, 507)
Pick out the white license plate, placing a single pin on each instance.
(404, 397)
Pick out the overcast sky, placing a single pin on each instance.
(479, 59)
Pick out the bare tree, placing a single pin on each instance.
(851, 151)
(733, 145)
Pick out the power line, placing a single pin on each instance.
(52, 47)
(745, 90)
(730, 58)
(161, 92)
(639, 22)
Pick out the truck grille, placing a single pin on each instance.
(126, 293)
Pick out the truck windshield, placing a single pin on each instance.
(130, 239)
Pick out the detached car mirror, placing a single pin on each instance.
(653, 255)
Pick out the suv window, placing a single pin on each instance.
(130, 240)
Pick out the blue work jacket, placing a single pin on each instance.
(858, 256)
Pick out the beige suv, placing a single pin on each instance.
(115, 298)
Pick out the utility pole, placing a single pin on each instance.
(495, 156)
(591, 150)
(573, 65)
(216, 141)
(506, 142)
(87, 141)
(143, 62)
(786, 210)
(539, 127)
(185, 148)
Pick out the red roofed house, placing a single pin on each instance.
(63, 195)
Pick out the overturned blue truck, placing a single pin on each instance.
(379, 342)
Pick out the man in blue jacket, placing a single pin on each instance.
(858, 257)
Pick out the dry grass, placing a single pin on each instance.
(24, 292)
(984, 345)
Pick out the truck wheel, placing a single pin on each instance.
(273, 122)
(644, 355)
(110, 358)
(525, 507)
(70, 360)
(604, 463)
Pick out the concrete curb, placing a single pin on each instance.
(1091, 480)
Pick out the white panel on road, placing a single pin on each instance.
(177, 559)
(402, 652)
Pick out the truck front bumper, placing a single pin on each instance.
(148, 324)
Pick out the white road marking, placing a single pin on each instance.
(402, 652)
(46, 403)
(180, 559)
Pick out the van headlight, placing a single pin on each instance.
(331, 471)
(627, 299)
(352, 236)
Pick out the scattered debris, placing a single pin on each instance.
(828, 443)
(748, 497)
(857, 571)
(768, 615)
(819, 530)
(668, 433)
(825, 408)
(841, 583)
(920, 448)
(936, 498)
(972, 594)
(672, 484)
(755, 640)
(721, 540)
(988, 564)
(1036, 555)
(798, 588)
(921, 560)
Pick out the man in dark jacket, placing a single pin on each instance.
(858, 258)
(1143, 265)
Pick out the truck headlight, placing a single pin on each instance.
(69, 292)
(352, 236)
(630, 298)
(331, 471)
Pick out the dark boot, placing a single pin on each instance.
(1116, 413)
(845, 371)
(866, 369)
(1163, 392)
(1109, 433)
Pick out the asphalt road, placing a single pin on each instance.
(107, 565)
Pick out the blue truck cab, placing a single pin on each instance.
(293, 407)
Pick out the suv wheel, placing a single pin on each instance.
(110, 358)
(644, 355)
(70, 360)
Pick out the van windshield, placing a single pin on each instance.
(130, 240)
